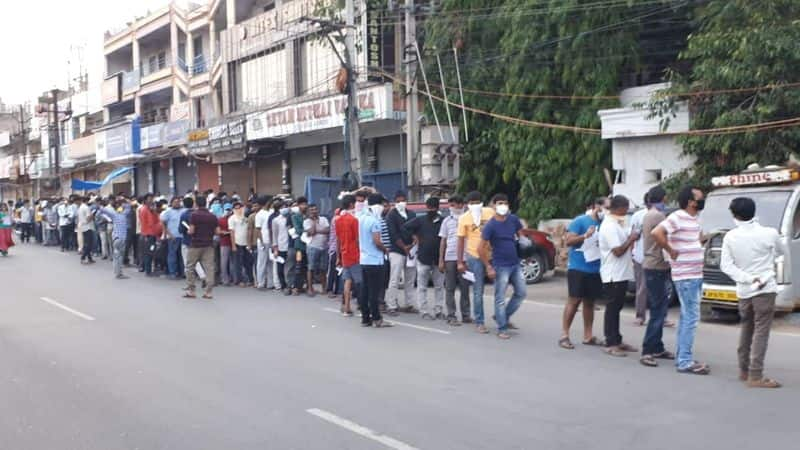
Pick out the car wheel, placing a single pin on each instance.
(533, 269)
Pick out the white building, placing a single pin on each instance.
(642, 154)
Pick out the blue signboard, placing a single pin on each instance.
(175, 133)
(123, 141)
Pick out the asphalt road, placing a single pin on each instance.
(105, 364)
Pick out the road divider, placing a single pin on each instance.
(359, 429)
(67, 308)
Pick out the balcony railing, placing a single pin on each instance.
(148, 69)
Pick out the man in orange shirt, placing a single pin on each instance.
(348, 252)
(150, 231)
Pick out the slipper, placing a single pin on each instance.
(664, 355)
(208, 296)
(763, 383)
(649, 361)
(189, 295)
(565, 343)
(669, 324)
(695, 368)
(628, 348)
(614, 351)
(593, 341)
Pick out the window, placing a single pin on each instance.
(621, 177)
(795, 223)
(162, 60)
(652, 176)
(152, 64)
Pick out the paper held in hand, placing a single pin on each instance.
(591, 248)
(469, 276)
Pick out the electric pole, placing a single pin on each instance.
(353, 133)
(412, 104)
(57, 127)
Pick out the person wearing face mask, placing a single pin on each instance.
(425, 229)
(656, 278)
(584, 285)
(280, 244)
(448, 263)
(399, 252)
(616, 241)
(361, 202)
(748, 257)
(371, 256)
(299, 256)
(498, 252)
(470, 227)
(680, 235)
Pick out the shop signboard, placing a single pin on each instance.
(151, 137)
(227, 135)
(175, 133)
(123, 141)
(374, 103)
(198, 140)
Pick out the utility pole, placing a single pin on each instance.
(23, 133)
(412, 104)
(57, 127)
(353, 133)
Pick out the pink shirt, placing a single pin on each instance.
(683, 232)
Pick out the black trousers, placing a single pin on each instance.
(131, 246)
(27, 231)
(88, 245)
(67, 232)
(282, 270)
(615, 292)
(368, 301)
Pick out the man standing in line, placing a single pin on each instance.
(273, 265)
(399, 252)
(333, 279)
(132, 244)
(371, 262)
(65, 224)
(26, 220)
(498, 252)
(86, 229)
(470, 227)
(448, 263)
(237, 223)
(638, 257)
(117, 214)
(300, 257)
(76, 238)
(584, 284)
(203, 226)
(318, 230)
(680, 237)
(748, 257)
(426, 230)
(150, 232)
(616, 270)
(263, 245)
(656, 278)
(186, 238)
(253, 237)
(348, 252)
(280, 245)
(171, 220)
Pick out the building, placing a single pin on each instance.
(643, 154)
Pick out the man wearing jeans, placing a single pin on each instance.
(680, 237)
(426, 230)
(371, 256)
(748, 257)
(117, 214)
(502, 233)
(656, 279)
(470, 227)
(171, 219)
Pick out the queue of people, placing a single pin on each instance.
(369, 248)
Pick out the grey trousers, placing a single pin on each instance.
(119, 255)
(105, 243)
(756, 313)
(263, 267)
(204, 256)
(424, 274)
(397, 272)
(641, 292)
(225, 264)
(452, 281)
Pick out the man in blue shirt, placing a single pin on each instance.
(583, 278)
(171, 218)
(372, 253)
(502, 262)
(183, 228)
(117, 214)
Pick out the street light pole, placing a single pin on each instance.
(353, 131)
(57, 137)
(412, 132)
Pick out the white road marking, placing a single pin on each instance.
(360, 430)
(67, 308)
(401, 324)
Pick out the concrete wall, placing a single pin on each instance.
(390, 154)
(638, 156)
(303, 162)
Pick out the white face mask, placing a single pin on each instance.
(501, 209)
(401, 206)
(295, 210)
(601, 214)
(360, 206)
(377, 210)
(475, 209)
(456, 212)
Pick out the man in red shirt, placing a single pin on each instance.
(150, 231)
(348, 252)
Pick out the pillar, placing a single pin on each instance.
(136, 56)
(230, 6)
(173, 41)
(189, 56)
(212, 48)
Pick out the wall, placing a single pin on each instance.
(390, 154)
(637, 155)
(303, 162)
(237, 177)
(119, 62)
(184, 175)
(268, 176)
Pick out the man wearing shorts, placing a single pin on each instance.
(318, 229)
(348, 252)
(583, 277)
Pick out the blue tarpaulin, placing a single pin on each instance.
(81, 185)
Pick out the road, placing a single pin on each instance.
(105, 364)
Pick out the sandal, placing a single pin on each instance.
(695, 368)
(208, 296)
(189, 295)
(503, 335)
(594, 341)
(763, 383)
(628, 348)
(565, 343)
(614, 351)
(669, 324)
(482, 329)
(649, 361)
(664, 355)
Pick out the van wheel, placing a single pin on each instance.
(706, 312)
(533, 269)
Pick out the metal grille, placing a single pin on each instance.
(717, 277)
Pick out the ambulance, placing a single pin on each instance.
(776, 192)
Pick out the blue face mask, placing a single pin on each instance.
(216, 209)
(660, 206)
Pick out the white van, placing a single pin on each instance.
(776, 191)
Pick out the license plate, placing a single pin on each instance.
(725, 296)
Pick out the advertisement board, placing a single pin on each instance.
(111, 90)
(151, 137)
(123, 141)
(175, 133)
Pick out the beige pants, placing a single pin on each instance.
(204, 256)
(757, 313)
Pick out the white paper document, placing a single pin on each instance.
(591, 248)
(469, 276)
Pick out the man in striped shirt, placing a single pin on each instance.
(680, 235)
(118, 215)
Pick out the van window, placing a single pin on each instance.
(796, 223)
(770, 206)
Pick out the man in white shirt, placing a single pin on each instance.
(65, 224)
(280, 245)
(616, 270)
(638, 258)
(264, 244)
(748, 257)
(86, 229)
(318, 229)
(242, 268)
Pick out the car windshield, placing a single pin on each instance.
(770, 206)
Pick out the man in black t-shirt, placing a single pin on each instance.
(426, 230)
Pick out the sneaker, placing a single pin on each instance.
(466, 320)
(482, 329)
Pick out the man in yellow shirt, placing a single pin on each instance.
(470, 226)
